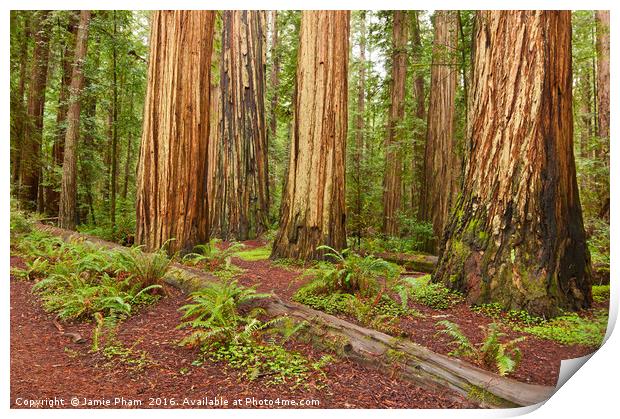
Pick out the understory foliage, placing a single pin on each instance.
(572, 329)
(20, 222)
(356, 286)
(600, 293)
(415, 236)
(504, 356)
(352, 273)
(423, 291)
(226, 329)
(214, 257)
(79, 281)
(568, 329)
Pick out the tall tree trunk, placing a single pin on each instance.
(392, 181)
(585, 111)
(30, 165)
(360, 126)
(113, 152)
(128, 157)
(88, 144)
(242, 207)
(18, 106)
(215, 115)
(440, 152)
(67, 216)
(172, 170)
(68, 54)
(602, 99)
(517, 235)
(274, 80)
(417, 184)
(602, 67)
(313, 202)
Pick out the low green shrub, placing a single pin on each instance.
(599, 244)
(214, 258)
(600, 293)
(423, 291)
(146, 269)
(224, 332)
(571, 329)
(503, 356)
(76, 279)
(508, 317)
(255, 254)
(352, 286)
(20, 223)
(352, 273)
(414, 237)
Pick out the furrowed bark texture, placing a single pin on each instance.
(602, 69)
(439, 156)
(602, 99)
(241, 176)
(516, 236)
(172, 170)
(67, 213)
(359, 128)
(274, 80)
(30, 165)
(392, 181)
(215, 111)
(417, 184)
(313, 203)
(68, 55)
(18, 103)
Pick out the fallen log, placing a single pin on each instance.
(418, 262)
(369, 347)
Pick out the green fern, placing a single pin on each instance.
(491, 352)
(463, 346)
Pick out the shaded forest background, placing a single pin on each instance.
(395, 69)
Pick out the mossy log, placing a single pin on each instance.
(418, 262)
(369, 347)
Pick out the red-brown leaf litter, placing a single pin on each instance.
(46, 364)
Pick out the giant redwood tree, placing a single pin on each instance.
(516, 236)
(602, 101)
(392, 180)
(313, 202)
(67, 211)
(30, 150)
(241, 182)
(172, 169)
(52, 197)
(440, 170)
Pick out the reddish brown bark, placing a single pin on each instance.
(241, 182)
(417, 184)
(517, 235)
(18, 105)
(440, 171)
(313, 203)
(602, 68)
(392, 182)
(67, 214)
(172, 170)
(30, 153)
(67, 57)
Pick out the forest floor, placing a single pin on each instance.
(157, 372)
(541, 358)
(45, 364)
